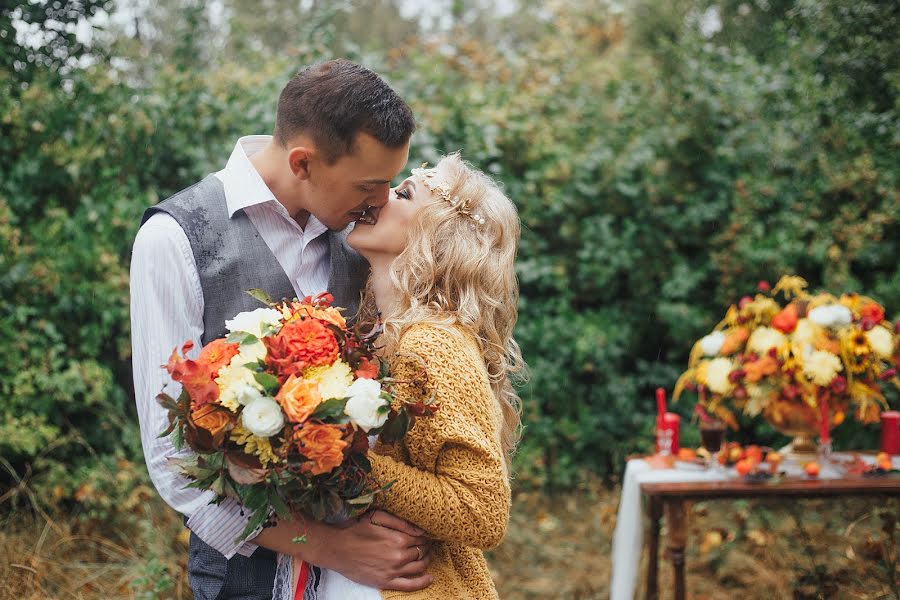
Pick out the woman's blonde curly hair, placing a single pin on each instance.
(455, 271)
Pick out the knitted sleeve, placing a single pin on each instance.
(456, 487)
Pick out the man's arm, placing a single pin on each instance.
(166, 311)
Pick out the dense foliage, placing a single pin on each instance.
(661, 169)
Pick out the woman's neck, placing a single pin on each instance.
(385, 295)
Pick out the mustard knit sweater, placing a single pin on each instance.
(449, 472)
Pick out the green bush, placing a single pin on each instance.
(659, 175)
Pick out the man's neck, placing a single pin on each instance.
(268, 163)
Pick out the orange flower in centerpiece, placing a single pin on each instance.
(298, 398)
(786, 320)
(323, 445)
(734, 341)
(299, 345)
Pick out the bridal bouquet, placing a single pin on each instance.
(280, 411)
(808, 358)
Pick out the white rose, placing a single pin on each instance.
(254, 321)
(365, 400)
(882, 341)
(712, 343)
(263, 417)
(763, 339)
(831, 315)
(717, 372)
(250, 353)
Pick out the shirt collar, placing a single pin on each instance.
(243, 185)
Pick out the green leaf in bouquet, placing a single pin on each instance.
(256, 519)
(276, 502)
(361, 461)
(178, 438)
(261, 295)
(331, 409)
(218, 484)
(167, 401)
(395, 428)
(241, 337)
(268, 381)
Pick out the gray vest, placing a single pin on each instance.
(232, 257)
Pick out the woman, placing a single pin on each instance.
(442, 252)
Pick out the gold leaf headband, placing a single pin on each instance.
(442, 188)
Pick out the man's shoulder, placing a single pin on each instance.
(160, 228)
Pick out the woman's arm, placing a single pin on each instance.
(458, 489)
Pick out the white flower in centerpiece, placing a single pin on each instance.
(882, 341)
(365, 400)
(821, 367)
(805, 332)
(263, 417)
(711, 344)
(763, 339)
(717, 372)
(831, 315)
(254, 321)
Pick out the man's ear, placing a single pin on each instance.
(300, 158)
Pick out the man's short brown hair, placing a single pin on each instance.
(334, 101)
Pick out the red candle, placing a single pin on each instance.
(825, 423)
(890, 432)
(660, 404)
(667, 434)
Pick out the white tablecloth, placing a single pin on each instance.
(628, 540)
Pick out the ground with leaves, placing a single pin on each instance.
(556, 548)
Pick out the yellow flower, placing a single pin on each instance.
(254, 445)
(881, 341)
(333, 379)
(763, 339)
(717, 372)
(821, 367)
(237, 386)
(805, 332)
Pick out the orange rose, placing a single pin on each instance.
(323, 445)
(786, 320)
(298, 398)
(212, 418)
(734, 340)
(299, 345)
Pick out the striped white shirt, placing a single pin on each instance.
(167, 310)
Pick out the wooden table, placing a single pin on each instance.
(671, 499)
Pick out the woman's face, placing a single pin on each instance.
(388, 235)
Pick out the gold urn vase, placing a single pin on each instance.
(798, 420)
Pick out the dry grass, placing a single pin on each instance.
(556, 548)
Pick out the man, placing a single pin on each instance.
(276, 218)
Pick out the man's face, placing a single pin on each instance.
(341, 192)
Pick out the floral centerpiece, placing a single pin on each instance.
(809, 360)
(280, 411)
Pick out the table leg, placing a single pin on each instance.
(655, 510)
(676, 524)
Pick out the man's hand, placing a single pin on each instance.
(378, 549)
(381, 551)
